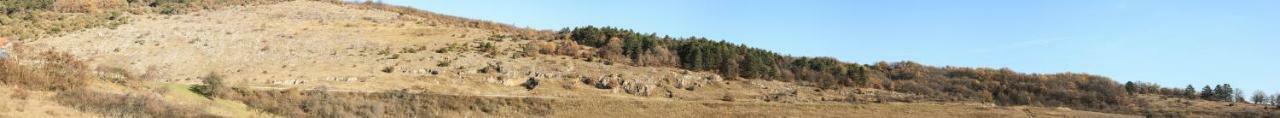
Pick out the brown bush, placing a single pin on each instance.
(570, 48)
(50, 71)
(660, 57)
(612, 50)
(545, 47)
(213, 86)
(529, 49)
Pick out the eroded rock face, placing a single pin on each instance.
(637, 86)
(634, 86)
(604, 82)
(688, 82)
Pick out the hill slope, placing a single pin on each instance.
(330, 59)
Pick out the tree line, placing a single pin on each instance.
(737, 61)
(1221, 93)
(728, 59)
(1262, 98)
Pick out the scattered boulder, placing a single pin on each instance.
(537, 74)
(289, 82)
(492, 68)
(604, 82)
(727, 98)
(343, 79)
(688, 83)
(637, 87)
(641, 87)
(786, 96)
(424, 72)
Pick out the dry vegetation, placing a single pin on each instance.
(336, 59)
(105, 92)
(50, 71)
(436, 19)
(321, 103)
(127, 104)
(75, 86)
(33, 19)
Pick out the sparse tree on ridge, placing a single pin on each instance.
(1266, 100)
(1259, 97)
(1238, 95)
(1275, 99)
(1217, 93)
(1130, 87)
(1189, 92)
(1206, 93)
(1223, 93)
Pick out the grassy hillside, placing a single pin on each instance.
(234, 58)
(31, 19)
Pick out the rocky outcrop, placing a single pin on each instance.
(639, 87)
(634, 86)
(688, 82)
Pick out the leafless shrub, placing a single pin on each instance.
(443, 63)
(529, 49)
(452, 47)
(126, 105)
(58, 72)
(544, 47)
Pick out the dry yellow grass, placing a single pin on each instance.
(403, 104)
(1160, 106)
(84, 6)
(352, 59)
(23, 103)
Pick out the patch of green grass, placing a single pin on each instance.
(218, 106)
(183, 91)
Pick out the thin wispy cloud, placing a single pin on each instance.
(1020, 45)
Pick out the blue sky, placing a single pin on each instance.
(1170, 42)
